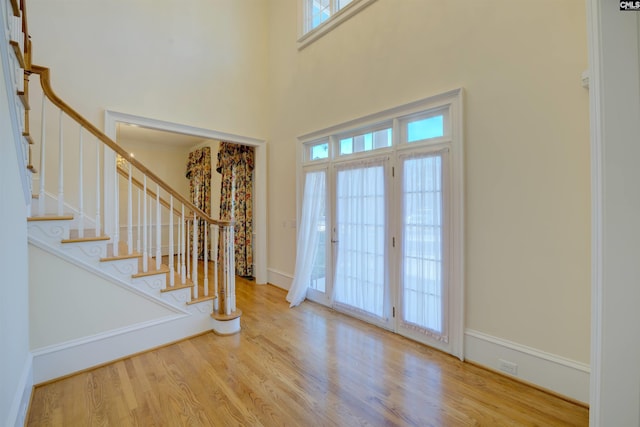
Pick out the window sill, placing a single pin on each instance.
(353, 8)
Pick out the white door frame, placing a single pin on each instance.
(614, 92)
(112, 118)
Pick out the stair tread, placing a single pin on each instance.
(85, 239)
(197, 300)
(178, 286)
(151, 270)
(50, 217)
(123, 253)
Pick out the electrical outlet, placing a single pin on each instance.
(508, 367)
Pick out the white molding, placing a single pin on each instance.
(280, 279)
(435, 101)
(556, 373)
(594, 37)
(111, 118)
(18, 410)
(56, 361)
(54, 348)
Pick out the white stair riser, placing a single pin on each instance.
(50, 232)
(152, 283)
(121, 269)
(91, 251)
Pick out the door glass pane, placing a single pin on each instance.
(318, 271)
(360, 216)
(422, 280)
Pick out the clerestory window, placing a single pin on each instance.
(320, 16)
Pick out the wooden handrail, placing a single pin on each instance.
(44, 74)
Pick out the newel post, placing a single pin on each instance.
(227, 317)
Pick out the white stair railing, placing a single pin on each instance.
(80, 185)
(171, 248)
(130, 210)
(177, 239)
(158, 230)
(60, 167)
(42, 169)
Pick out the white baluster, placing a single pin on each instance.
(194, 273)
(98, 192)
(139, 230)
(158, 230)
(145, 253)
(150, 227)
(206, 259)
(232, 271)
(183, 270)
(41, 195)
(188, 230)
(116, 209)
(215, 237)
(60, 169)
(171, 260)
(80, 185)
(230, 285)
(179, 246)
(130, 214)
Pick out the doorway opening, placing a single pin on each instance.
(168, 134)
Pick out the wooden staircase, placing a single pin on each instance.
(105, 212)
(55, 233)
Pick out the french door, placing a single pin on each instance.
(389, 243)
(423, 309)
(360, 240)
(390, 246)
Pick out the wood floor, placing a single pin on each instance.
(306, 366)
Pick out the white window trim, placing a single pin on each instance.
(453, 102)
(306, 37)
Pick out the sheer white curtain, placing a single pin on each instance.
(360, 221)
(314, 197)
(422, 237)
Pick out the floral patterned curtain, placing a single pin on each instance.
(235, 163)
(199, 175)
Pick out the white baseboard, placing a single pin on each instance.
(56, 361)
(279, 278)
(20, 404)
(558, 374)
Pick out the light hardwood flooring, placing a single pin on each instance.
(307, 366)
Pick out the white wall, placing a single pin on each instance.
(81, 305)
(198, 63)
(615, 108)
(15, 359)
(169, 162)
(526, 144)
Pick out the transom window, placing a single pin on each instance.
(365, 142)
